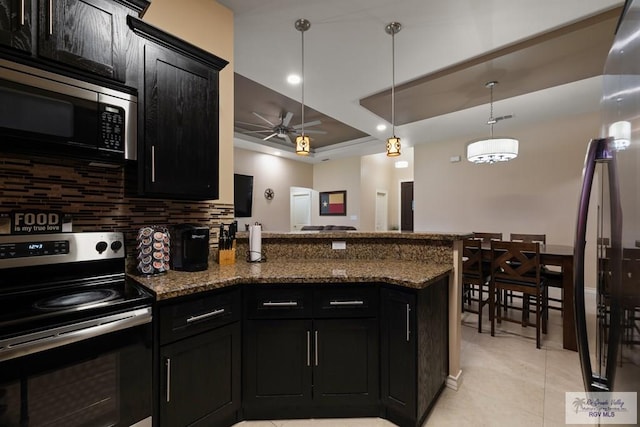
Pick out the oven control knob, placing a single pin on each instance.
(116, 245)
(101, 247)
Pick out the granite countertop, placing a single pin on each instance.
(409, 274)
(408, 235)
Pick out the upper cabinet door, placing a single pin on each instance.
(85, 34)
(16, 24)
(181, 126)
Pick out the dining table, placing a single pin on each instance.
(560, 256)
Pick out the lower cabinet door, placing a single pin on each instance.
(277, 368)
(201, 380)
(398, 354)
(345, 359)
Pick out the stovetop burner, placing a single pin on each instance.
(76, 299)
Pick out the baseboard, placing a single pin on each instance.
(454, 382)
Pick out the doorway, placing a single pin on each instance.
(381, 210)
(300, 208)
(406, 206)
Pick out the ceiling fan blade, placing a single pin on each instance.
(259, 116)
(254, 131)
(318, 132)
(308, 124)
(287, 119)
(269, 137)
(252, 124)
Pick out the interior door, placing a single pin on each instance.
(381, 210)
(300, 208)
(406, 206)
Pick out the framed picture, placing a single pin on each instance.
(333, 202)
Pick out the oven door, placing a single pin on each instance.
(99, 381)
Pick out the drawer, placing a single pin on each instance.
(283, 302)
(346, 301)
(200, 313)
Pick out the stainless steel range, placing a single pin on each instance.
(75, 333)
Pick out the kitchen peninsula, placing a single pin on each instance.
(331, 324)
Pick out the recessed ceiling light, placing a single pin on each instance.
(294, 79)
(276, 153)
(401, 164)
(381, 127)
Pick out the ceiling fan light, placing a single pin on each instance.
(621, 133)
(393, 147)
(492, 150)
(303, 145)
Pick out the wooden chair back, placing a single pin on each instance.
(529, 238)
(487, 237)
(516, 262)
(472, 258)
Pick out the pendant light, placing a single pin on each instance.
(393, 143)
(493, 149)
(303, 143)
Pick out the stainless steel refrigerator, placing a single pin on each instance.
(609, 347)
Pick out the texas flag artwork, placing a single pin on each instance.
(333, 203)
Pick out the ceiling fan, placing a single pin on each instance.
(279, 130)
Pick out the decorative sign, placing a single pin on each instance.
(333, 203)
(35, 221)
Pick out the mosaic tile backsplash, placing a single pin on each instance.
(96, 198)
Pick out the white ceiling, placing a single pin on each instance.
(348, 57)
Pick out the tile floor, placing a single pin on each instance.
(506, 381)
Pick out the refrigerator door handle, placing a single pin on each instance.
(597, 151)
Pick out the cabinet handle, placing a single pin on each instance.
(280, 304)
(168, 365)
(316, 346)
(354, 302)
(50, 17)
(22, 12)
(153, 163)
(205, 315)
(308, 348)
(408, 330)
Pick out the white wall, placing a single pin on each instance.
(535, 193)
(375, 175)
(276, 173)
(336, 175)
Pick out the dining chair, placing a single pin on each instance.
(474, 279)
(553, 277)
(487, 237)
(515, 267)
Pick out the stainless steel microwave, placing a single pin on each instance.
(44, 112)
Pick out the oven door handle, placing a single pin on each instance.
(23, 345)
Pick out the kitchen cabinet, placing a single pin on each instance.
(16, 24)
(199, 360)
(301, 361)
(178, 118)
(86, 35)
(414, 351)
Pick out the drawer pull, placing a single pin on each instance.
(205, 315)
(354, 302)
(22, 12)
(280, 304)
(50, 17)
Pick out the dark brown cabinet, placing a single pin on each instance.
(85, 34)
(300, 361)
(73, 35)
(178, 118)
(414, 351)
(199, 361)
(16, 24)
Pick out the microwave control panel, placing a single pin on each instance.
(111, 130)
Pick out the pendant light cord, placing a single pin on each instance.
(302, 129)
(491, 121)
(393, 84)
